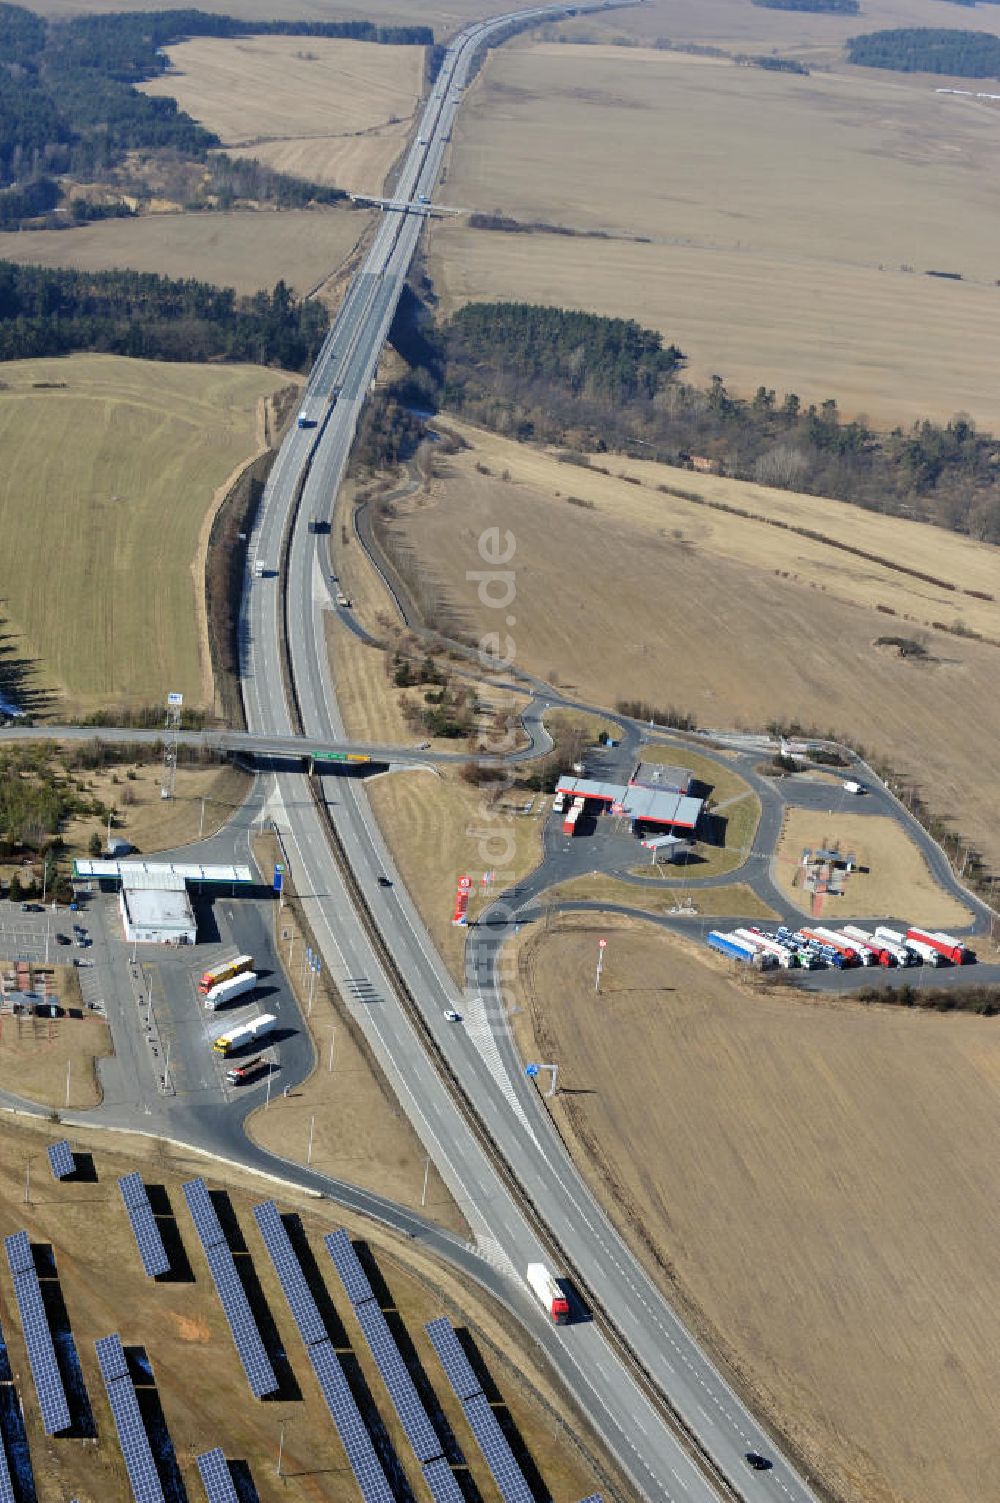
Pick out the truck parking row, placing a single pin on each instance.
(815, 947)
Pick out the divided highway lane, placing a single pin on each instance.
(638, 1435)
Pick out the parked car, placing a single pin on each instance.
(62, 939)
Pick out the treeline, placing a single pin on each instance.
(609, 359)
(929, 49)
(591, 384)
(68, 101)
(832, 7)
(984, 1000)
(47, 311)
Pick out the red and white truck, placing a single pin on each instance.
(548, 1293)
(945, 944)
(223, 971)
(227, 991)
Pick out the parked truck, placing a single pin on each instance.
(741, 950)
(246, 1033)
(946, 945)
(928, 953)
(882, 952)
(240, 1074)
(228, 991)
(767, 945)
(548, 1293)
(897, 940)
(572, 817)
(223, 971)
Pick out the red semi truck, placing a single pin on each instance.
(945, 944)
(548, 1293)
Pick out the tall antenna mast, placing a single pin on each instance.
(173, 725)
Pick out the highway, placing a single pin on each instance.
(304, 485)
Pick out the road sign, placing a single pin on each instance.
(279, 876)
(531, 1071)
(175, 700)
(602, 944)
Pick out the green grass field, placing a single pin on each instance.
(110, 469)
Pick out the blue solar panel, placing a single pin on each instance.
(457, 1367)
(132, 1437)
(249, 1345)
(347, 1264)
(203, 1213)
(441, 1482)
(19, 1252)
(61, 1160)
(290, 1275)
(350, 1426)
(592, 1498)
(216, 1477)
(133, 1191)
(144, 1227)
(37, 1336)
(499, 1457)
(6, 1485)
(402, 1390)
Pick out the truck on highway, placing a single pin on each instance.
(259, 568)
(223, 971)
(850, 786)
(240, 1074)
(228, 991)
(342, 599)
(246, 1033)
(305, 421)
(548, 1293)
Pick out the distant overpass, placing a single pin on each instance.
(260, 748)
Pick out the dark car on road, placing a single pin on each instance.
(757, 1462)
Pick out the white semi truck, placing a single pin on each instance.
(246, 1033)
(227, 991)
(548, 1293)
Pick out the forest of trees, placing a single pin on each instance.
(68, 102)
(929, 49)
(834, 7)
(592, 384)
(47, 311)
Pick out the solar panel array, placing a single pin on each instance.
(6, 1485)
(290, 1275)
(144, 1225)
(247, 1337)
(216, 1477)
(61, 1160)
(132, 1437)
(37, 1336)
(350, 1426)
(483, 1422)
(593, 1498)
(402, 1390)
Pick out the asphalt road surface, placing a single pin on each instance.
(307, 477)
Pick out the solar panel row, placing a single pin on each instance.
(6, 1485)
(37, 1336)
(593, 1498)
(216, 1477)
(402, 1390)
(348, 1265)
(61, 1160)
(350, 1426)
(19, 1252)
(441, 1482)
(249, 1344)
(133, 1191)
(132, 1437)
(290, 1276)
(495, 1448)
(457, 1367)
(203, 1213)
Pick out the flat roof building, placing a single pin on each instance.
(659, 775)
(654, 806)
(156, 910)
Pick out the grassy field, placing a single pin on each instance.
(893, 879)
(180, 1325)
(721, 599)
(40, 1057)
(242, 250)
(204, 799)
(111, 467)
(765, 262)
(773, 1160)
(327, 110)
(440, 829)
